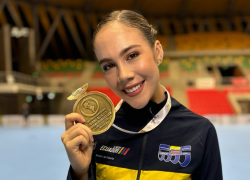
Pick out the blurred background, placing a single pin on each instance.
(46, 53)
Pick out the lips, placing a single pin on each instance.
(134, 90)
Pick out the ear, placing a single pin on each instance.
(158, 52)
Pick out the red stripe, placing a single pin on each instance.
(126, 151)
(175, 151)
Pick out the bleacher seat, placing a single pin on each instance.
(189, 65)
(212, 40)
(164, 68)
(211, 101)
(62, 68)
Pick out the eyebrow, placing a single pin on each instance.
(104, 60)
(121, 53)
(127, 49)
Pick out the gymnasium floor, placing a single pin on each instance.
(37, 152)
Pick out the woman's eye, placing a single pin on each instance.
(107, 67)
(132, 56)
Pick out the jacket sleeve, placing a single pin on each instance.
(91, 171)
(210, 166)
(69, 176)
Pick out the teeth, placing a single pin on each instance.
(133, 88)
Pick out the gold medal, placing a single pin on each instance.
(96, 108)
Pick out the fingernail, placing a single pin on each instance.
(82, 119)
(92, 139)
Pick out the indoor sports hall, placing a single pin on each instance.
(46, 53)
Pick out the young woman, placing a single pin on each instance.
(154, 136)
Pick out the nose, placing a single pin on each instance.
(125, 74)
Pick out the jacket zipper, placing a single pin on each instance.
(142, 155)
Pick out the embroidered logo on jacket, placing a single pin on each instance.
(115, 149)
(166, 153)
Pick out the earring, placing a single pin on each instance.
(159, 61)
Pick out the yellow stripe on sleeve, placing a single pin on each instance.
(107, 172)
(163, 175)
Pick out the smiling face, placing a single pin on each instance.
(129, 64)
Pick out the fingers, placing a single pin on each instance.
(76, 134)
(71, 118)
(80, 130)
(76, 130)
(76, 142)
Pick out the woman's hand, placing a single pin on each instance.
(77, 140)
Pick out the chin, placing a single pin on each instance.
(137, 105)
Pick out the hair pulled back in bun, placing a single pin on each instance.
(130, 19)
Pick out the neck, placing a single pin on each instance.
(158, 95)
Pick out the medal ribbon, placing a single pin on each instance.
(154, 122)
